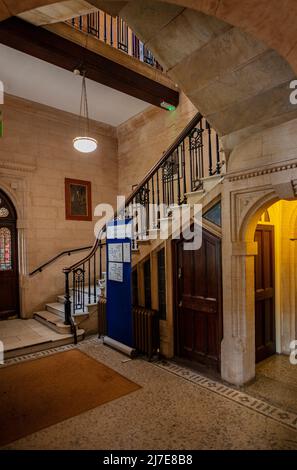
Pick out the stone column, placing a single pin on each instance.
(238, 344)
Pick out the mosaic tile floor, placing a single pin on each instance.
(176, 408)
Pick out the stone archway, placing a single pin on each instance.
(234, 77)
(242, 208)
(13, 182)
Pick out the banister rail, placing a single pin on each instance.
(134, 193)
(192, 157)
(58, 256)
(115, 32)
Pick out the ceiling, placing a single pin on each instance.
(39, 81)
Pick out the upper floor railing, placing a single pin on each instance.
(115, 32)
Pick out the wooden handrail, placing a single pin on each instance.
(130, 198)
(59, 255)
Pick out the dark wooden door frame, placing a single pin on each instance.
(264, 354)
(175, 294)
(12, 223)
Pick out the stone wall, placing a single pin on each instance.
(36, 155)
(143, 139)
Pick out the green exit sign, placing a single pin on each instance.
(168, 106)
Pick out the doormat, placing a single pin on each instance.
(39, 393)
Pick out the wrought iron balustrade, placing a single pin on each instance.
(115, 32)
(194, 156)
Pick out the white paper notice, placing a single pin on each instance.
(126, 253)
(115, 272)
(115, 252)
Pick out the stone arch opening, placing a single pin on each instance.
(274, 274)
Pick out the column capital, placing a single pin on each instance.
(244, 248)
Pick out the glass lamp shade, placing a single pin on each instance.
(85, 144)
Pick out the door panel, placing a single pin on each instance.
(198, 302)
(9, 297)
(264, 293)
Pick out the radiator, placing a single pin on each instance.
(102, 320)
(146, 331)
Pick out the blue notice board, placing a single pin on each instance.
(118, 275)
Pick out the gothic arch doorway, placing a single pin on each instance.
(275, 279)
(9, 273)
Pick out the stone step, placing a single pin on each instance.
(61, 300)
(143, 241)
(62, 340)
(58, 309)
(53, 321)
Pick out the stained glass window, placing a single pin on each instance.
(214, 214)
(5, 249)
(4, 212)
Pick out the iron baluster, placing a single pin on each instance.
(153, 200)
(209, 148)
(89, 281)
(95, 277)
(127, 38)
(178, 177)
(184, 169)
(147, 212)
(98, 24)
(218, 166)
(100, 261)
(158, 200)
(201, 156)
(67, 302)
(105, 28)
(111, 31)
(83, 288)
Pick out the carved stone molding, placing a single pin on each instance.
(242, 202)
(19, 167)
(261, 171)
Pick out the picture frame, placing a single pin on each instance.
(78, 200)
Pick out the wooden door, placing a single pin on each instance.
(198, 302)
(264, 293)
(9, 296)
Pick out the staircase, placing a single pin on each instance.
(188, 172)
(53, 316)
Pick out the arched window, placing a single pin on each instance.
(5, 249)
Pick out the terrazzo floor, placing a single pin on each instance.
(276, 383)
(168, 412)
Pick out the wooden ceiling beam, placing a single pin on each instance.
(56, 50)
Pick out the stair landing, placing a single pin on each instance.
(27, 336)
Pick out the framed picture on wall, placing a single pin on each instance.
(78, 201)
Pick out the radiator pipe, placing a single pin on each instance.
(123, 348)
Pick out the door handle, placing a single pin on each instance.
(180, 303)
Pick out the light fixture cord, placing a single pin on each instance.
(84, 110)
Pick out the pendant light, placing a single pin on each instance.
(83, 143)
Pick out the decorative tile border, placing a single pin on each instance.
(48, 352)
(277, 414)
(259, 406)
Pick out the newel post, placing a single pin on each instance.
(67, 303)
